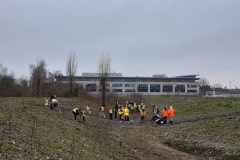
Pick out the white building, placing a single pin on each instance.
(155, 85)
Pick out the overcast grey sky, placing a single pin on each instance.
(142, 37)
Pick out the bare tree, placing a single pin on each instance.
(9, 86)
(71, 71)
(38, 77)
(23, 83)
(104, 69)
(3, 70)
(204, 85)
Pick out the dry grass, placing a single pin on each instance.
(28, 131)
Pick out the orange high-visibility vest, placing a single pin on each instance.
(142, 113)
(165, 113)
(171, 112)
(122, 115)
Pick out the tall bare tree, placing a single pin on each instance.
(3, 70)
(71, 71)
(104, 68)
(204, 85)
(38, 77)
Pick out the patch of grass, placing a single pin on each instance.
(28, 131)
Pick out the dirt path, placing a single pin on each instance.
(144, 148)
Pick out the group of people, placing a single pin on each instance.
(78, 111)
(122, 111)
(52, 103)
(119, 111)
(167, 115)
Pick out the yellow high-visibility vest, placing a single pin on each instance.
(110, 111)
(46, 102)
(126, 112)
(75, 110)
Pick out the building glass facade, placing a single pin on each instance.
(180, 85)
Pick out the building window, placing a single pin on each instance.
(142, 88)
(117, 90)
(129, 90)
(154, 87)
(192, 86)
(91, 87)
(116, 85)
(180, 88)
(129, 85)
(167, 88)
(191, 91)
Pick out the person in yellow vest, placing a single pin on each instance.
(46, 104)
(76, 112)
(102, 112)
(142, 114)
(126, 113)
(110, 112)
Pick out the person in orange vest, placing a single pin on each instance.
(120, 113)
(110, 112)
(142, 113)
(165, 115)
(171, 114)
(126, 113)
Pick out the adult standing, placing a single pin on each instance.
(101, 112)
(126, 113)
(116, 110)
(142, 114)
(165, 115)
(110, 112)
(171, 114)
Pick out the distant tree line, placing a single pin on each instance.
(41, 83)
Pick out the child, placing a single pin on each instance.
(46, 103)
(142, 113)
(84, 116)
(88, 109)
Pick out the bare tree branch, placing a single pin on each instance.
(38, 77)
(104, 69)
(71, 71)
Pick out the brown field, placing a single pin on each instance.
(29, 131)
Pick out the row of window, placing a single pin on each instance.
(151, 85)
(144, 88)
